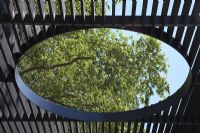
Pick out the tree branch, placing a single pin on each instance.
(55, 66)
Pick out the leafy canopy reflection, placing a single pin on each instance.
(96, 70)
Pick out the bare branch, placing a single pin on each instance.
(55, 66)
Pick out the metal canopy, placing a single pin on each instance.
(24, 23)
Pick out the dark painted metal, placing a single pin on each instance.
(24, 24)
(128, 21)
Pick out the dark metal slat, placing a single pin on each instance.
(96, 127)
(141, 128)
(20, 126)
(62, 9)
(3, 66)
(172, 112)
(155, 125)
(61, 127)
(90, 127)
(144, 7)
(21, 113)
(187, 39)
(195, 46)
(2, 127)
(183, 103)
(109, 127)
(15, 127)
(9, 8)
(11, 15)
(56, 124)
(24, 103)
(7, 32)
(133, 12)
(32, 115)
(116, 127)
(186, 7)
(52, 8)
(165, 7)
(135, 127)
(181, 110)
(164, 12)
(154, 8)
(21, 8)
(7, 94)
(8, 127)
(83, 10)
(28, 127)
(93, 11)
(25, 34)
(122, 127)
(77, 127)
(103, 10)
(66, 127)
(8, 107)
(42, 12)
(144, 11)
(41, 6)
(39, 124)
(3, 62)
(148, 127)
(13, 43)
(46, 125)
(22, 12)
(196, 10)
(123, 10)
(48, 122)
(102, 128)
(162, 125)
(71, 126)
(195, 68)
(40, 115)
(16, 36)
(84, 128)
(129, 127)
(185, 12)
(174, 14)
(53, 127)
(58, 121)
(113, 12)
(195, 43)
(73, 10)
(31, 7)
(17, 99)
(154, 11)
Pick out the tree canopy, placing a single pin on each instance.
(96, 70)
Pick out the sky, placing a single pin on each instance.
(178, 67)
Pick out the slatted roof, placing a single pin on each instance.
(24, 23)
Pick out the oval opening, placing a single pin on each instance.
(102, 70)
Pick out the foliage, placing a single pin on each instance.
(96, 70)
